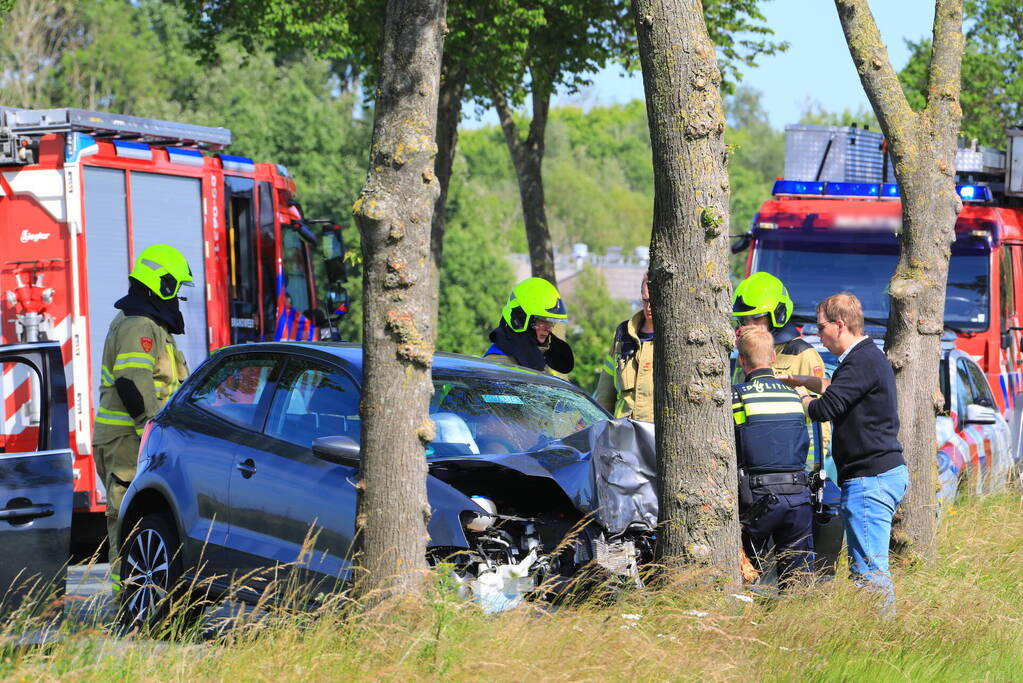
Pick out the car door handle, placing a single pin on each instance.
(247, 467)
(22, 515)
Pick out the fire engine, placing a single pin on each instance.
(83, 192)
(833, 225)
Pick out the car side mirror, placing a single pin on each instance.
(981, 415)
(340, 450)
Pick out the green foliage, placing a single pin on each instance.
(599, 178)
(814, 113)
(757, 158)
(594, 317)
(324, 28)
(476, 277)
(992, 90)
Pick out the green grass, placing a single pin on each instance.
(958, 619)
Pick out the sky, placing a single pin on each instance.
(816, 67)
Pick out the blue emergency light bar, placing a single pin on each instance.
(797, 187)
(801, 188)
(974, 193)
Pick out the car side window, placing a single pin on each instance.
(981, 388)
(314, 400)
(234, 389)
(963, 386)
(943, 382)
(21, 408)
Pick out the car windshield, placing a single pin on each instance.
(815, 265)
(477, 415)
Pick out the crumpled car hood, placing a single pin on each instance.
(608, 470)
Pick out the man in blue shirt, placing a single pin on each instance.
(860, 402)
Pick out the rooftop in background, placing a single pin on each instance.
(622, 270)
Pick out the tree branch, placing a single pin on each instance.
(879, 79)
(943, 76)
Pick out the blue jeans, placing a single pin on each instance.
(868, 505)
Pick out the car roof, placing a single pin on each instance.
(350, 354)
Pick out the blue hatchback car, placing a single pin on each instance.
(256, 458)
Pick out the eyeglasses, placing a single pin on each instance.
(821, 324)
(646, 301)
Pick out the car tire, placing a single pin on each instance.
(153, 595)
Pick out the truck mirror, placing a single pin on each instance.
(304, 232)
(742, 244)
(337, 300)
(336, 271)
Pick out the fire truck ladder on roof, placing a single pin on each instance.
(102, 125)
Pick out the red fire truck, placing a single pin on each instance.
(83, 192)
(833, 225)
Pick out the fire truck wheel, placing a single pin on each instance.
(153, 597)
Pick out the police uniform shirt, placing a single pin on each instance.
(770, 424)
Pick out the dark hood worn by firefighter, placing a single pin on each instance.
(524, 335)
(141, 368)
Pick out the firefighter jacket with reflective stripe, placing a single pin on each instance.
(142, 351)
(626, 384)
(770, 425)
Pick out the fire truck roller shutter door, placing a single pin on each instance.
(167, 209)
(106, 243)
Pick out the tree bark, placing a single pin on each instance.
(394, 214)
(689, 286)
(923, 149)
(527, 158)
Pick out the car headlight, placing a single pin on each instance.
(482, 522)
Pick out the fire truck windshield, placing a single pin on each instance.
(816, 265)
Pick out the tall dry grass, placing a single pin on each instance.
(959, 619)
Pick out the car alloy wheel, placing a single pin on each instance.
(147, 573)
(152, 567)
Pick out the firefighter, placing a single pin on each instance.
(771, 444)
(761, 301)
(626, 384)
(525, 334)
(141, 368)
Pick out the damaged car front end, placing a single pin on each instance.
(556, 495)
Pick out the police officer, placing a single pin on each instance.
(626, 384)
(141, 369)
(771, 443)
(525, 334)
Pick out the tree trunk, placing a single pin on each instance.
(449, 113)
(689, 286)
(394, 214)
(923, 149)
(527, 158)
